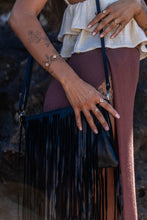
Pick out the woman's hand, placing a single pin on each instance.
(84, 97)
(116, 15)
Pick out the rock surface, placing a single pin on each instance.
(13, 59)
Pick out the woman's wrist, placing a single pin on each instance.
(138, 6)
(63, 72)
(141, 16)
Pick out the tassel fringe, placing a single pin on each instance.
(62, 179)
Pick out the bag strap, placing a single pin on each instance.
(28, 74)
(104, 56)
(26, 86)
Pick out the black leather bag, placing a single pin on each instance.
(66, 169)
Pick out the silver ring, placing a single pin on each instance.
(115, 21)
(101, 100)
(96, 110)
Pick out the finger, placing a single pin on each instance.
(103, 96)
(100, 117)
(117, 31)
(109, 108)
(78, 118)
(108, 29)
(103, 24)
(90, 121)
(98, 17)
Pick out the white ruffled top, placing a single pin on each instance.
(76, 37)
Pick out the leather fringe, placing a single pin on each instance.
(62, 182)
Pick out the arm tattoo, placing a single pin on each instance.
(36, 37)
(50, 59)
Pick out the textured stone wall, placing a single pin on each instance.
(13, 59)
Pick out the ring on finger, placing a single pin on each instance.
(101, 100)
(96, 110)
(116, 21)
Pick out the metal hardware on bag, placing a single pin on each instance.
(21, 114)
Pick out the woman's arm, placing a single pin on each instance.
(23, 20)
(81, 95)
(141, 17)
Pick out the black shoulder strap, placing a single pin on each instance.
(26, 85)
(104, 56)
(28, 74)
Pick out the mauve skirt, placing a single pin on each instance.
(124, 71)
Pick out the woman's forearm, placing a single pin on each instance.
(141, 17)
(32, 35)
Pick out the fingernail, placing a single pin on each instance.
(112, 37)
(80, 128)
(107, 128)
(96, 131)
(101, 35)
(117, 115)
(94, 33)
(89, 26)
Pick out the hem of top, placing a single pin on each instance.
(106, 46)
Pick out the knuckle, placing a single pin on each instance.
(104, 104)
(84, 105)
(98, 114)
(104, 123)
(89, 118)
(113, 24)
(121, 18)
(95, 20)
(96, 29)
(109, 8)
(120, 29)
(78, 118)
(76, 110)
(116, 14)
(104, 22)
